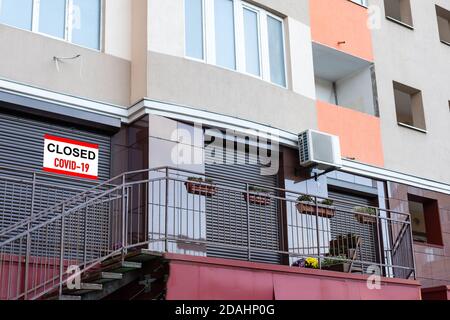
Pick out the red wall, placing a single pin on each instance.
(193, 278)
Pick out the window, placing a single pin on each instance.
(16, 13)
(194, 28)
(425, 221)
(251, 33)
(399, 11)
(443, 17)
(86, 23)
(224, 29)
(238, 36)
(276, 51)
(52, 17)
(409, 106)
(76, 21)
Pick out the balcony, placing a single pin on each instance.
(184, 214)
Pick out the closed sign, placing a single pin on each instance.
(71, 157)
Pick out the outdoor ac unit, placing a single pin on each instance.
(319, 150)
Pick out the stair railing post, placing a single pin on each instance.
(166, 213)
(28, 244)
(61, 253)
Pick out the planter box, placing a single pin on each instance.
(310, 209)
(339, 267)
(200, 189)
(257, 199)
(365, 219)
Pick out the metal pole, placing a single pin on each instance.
(248, 223)
(379, 238)
(85, 232)
(166, 205)
(61, 253)
(28, 247)
(318, 233)
(123, 216)
(412, 246)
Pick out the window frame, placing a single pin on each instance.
(209, 41)
(67, 27)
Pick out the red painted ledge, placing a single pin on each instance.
(200, 278)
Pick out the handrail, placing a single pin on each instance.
(178, 172)
(117, 194)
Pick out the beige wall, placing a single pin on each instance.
(418, 59)
(195, 84)
(175, 79)
(28, 57)
(117, 28)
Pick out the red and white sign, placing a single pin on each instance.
(71, 157)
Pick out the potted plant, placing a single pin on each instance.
(308, 263)
(325, 208)
(338, 264)
(365, 215)
(258, 196)
(200, 186)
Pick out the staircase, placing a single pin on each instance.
(98, 236)
(146, 269)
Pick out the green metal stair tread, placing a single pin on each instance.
(115, 266)
(65, 298)
(143, 255)
(103, 277)
(84, 288)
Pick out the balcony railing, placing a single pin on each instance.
(166, 210)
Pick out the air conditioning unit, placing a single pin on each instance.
(319, 150)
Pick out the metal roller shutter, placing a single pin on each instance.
(21, 146)
(345, 223)
(226, 213)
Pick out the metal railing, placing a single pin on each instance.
(166, 210)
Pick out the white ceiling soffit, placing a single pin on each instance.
(332, 65)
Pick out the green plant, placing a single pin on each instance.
(201, 180)
(336, 260)
(258, 189)
(305, 198)
(366, 210)
(327, 202)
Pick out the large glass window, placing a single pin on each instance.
(77, 21)
(86, 23)
(52, 17)
(238, 36)
(251, 33)
(224, 26)
(194, 28)
(17, 13)
(276, 51)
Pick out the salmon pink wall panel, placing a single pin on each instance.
(333, 21)
(360, 133)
